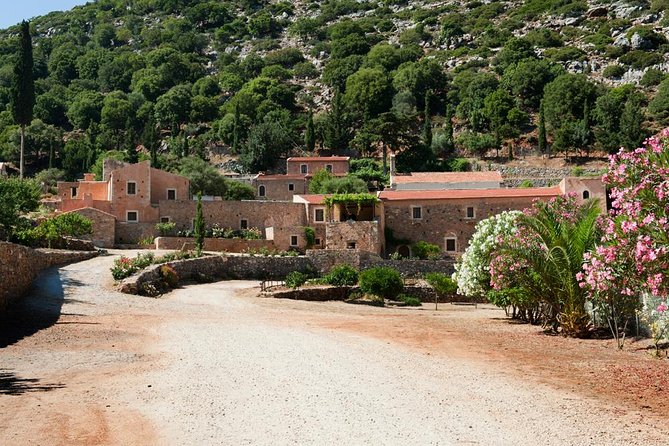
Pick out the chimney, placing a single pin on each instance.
(89, 177)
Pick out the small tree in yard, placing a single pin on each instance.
(199, 226)
(383, 282)
(16, 197)
(64, 225)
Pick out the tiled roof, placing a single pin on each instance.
(318, 158)
(280, 177)
(447, 177)
(454, 194)
(309, 198)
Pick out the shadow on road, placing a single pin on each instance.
(39, 309)
(10, 384)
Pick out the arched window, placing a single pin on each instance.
(261, 191)
(586, 194)
(404, 251)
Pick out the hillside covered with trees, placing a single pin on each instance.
(171, 80)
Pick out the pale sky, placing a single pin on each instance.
(13, 11)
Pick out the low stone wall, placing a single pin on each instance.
(214, 244)
(321, 294)
(69, 244)
(324, 259)
(218, 267)
(20, 265)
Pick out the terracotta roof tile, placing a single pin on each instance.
(454, 194)
(280, 177)
(447, 177)
(318, 158)
(309, 198)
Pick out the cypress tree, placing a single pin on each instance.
(585, 132)
(129, 142)
(199, 226)
(631, 120)
(448, 130)
(236, 130)
(310, 133)
(427, 122)
(23, 88)
(543, 143)
(151, 139)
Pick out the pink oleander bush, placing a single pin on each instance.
(534, 269)
(632, 258)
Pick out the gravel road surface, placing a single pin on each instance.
(213, 364)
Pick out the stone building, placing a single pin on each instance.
(299, 171)
(445, 180)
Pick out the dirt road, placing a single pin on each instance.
(213, 364)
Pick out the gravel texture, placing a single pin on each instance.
(212, 364)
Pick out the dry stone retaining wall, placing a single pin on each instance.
(213, 244)
(20, 265)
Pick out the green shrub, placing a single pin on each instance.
(309, 236)
(296, 279)
(442, 283)
(424, 250)
(526, 183)
(342, 275)
(169, 276)
(166, 229)
(383, 282)
(640, 59)
(410, 301)
(614, 71)
(460, 165)
(652, 77)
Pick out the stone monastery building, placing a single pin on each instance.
(439, 208)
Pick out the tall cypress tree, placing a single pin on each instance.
(631, 123)
(543, 143)
(236, 131)
(151, 140)
(448, 131)
(310, 133)
(199, 226)
(23, 87)
(427, 122)
(585, 132)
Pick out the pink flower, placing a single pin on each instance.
(662, 307)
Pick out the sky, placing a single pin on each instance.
(13, 11)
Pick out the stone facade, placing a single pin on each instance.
(20, 265)
(104, 227)
(363, 235)
(279, 187)
(281, 222)
(338, 165)
(213, 244)
(449, 221)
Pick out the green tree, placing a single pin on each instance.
(23, 88)
(174, 106)
(543, 143)
(151, 140)
(85, 109)
(632, 132)
(336, 134)
(310, 133)
(659, 106)
(18, 196)
(427, 122)
(199, 227)
(368, 92)
(268, 140)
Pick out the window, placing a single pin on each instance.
(451, 244)
(304, 169)
(586, 194)
(171, 194)
(244, 223)
(74, 191)
(328, 167)
(132, 216)
(293, 240)
(164, 219)
(416, 212)
(261, 191)
(131, 188)
(470, 212)
(350, 245)
(317, 242)
(291, 186)
(319, 214)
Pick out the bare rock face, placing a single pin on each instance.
(639, 43)
(622, 41)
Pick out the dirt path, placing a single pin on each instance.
(212, 364)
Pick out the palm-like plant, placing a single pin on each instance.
(548, 251)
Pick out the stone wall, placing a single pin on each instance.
(539, 172)
(365, 235)
(20, 265)
(104, 227)
(224, 267)
(324, 260)
(214, 244)
(133, 233)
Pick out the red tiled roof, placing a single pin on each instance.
(447, 177)
(280, 177)
(309, 198)
(454, 194)
(318, 158)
